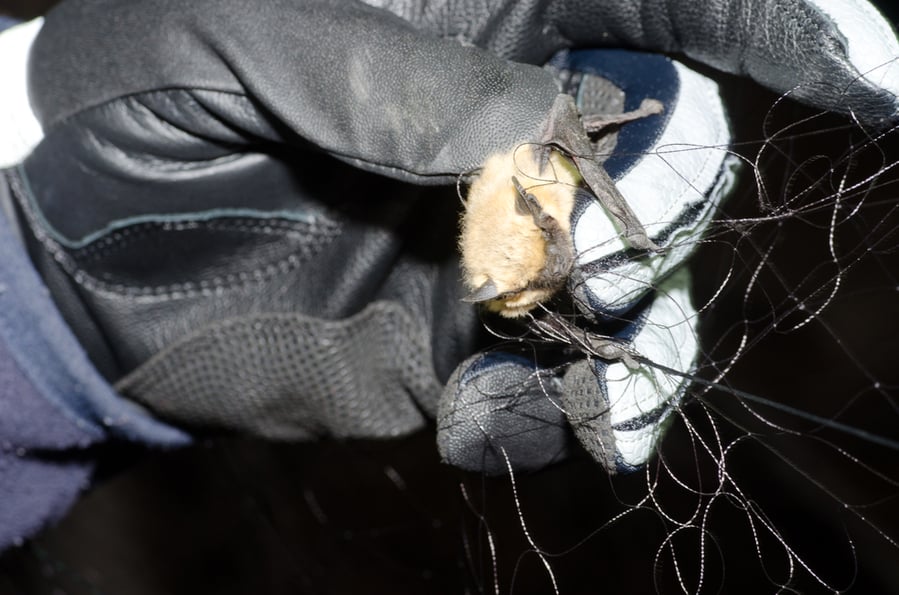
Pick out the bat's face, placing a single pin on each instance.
(516, 231)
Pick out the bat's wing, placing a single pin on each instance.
(566, 132)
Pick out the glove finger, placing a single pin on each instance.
(673, 169)
(500, 410)
(834, 54)
(368, 92)
(840, 54)
(619, 414)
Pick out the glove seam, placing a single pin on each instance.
(119, 238)
(205, 288)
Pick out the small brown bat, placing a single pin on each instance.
(516, 232)
(515, 237)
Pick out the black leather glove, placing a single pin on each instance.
(191, 209)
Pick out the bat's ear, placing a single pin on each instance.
(485, 292)
(527, 204)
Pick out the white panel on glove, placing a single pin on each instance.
(687, 168)
(641, 400)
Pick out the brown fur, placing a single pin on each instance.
(504, 251)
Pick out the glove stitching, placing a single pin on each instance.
(121, 238)
(175, 291)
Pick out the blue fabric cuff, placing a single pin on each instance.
(54, 405)
(37, 484)
(51, 361)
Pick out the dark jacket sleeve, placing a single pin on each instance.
(56, 411)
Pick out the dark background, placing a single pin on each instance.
(242, 516)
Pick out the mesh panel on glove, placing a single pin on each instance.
(587, 405)
(290, 376)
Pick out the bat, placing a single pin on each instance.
(516, 231)
(515, 237)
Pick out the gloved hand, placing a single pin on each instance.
(190, 211)
(841, 58)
